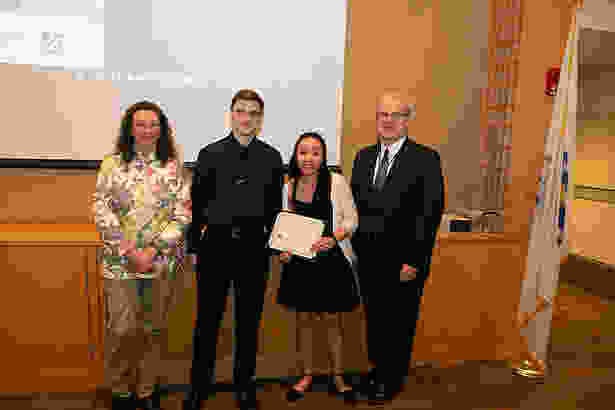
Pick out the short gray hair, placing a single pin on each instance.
(403, 94)
(411, 111)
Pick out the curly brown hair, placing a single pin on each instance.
(165, 146)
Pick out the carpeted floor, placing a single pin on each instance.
(582, 371)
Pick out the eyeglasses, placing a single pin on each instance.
(143, 125)
(394, 115)
(251, 114)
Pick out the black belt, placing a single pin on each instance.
(375, 236)
(237, 231)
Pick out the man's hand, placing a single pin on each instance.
(407, 272)
(194, 258)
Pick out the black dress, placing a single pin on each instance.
(323, 284)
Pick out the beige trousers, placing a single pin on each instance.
(135, 328)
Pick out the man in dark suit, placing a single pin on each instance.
(398, 189)
(236, 195)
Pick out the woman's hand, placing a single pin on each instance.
(146, 262)
(323, 244)
(284, 257)
(127, 247)
(142, 261)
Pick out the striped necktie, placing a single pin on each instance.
(382, 170)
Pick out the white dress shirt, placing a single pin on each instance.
(250, 138)
(393, 150)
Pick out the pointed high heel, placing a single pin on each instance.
(297, 392)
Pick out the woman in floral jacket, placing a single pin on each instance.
(142, 206)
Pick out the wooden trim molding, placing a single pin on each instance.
(592, 260)
(87, 164)
(597, 193)
(48, 163)
(478, 237)
(73, 235)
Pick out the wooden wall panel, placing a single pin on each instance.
(62, 199)
(50, 311)
(591, 227)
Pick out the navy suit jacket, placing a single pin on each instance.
(406, 214)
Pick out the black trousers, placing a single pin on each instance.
(392, 309)
(221, 261)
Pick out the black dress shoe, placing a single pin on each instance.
(293, 395)
(365, 385)
(382, 393)
(151, 402)
(193, 401)
(371, 375)
(369, 380)
(127, 402)
(247, 401)
(348, 396)
(379, 393)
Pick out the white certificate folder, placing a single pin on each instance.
(296, 234)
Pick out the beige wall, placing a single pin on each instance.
(438, 50)
(595, 163)
(591, 230)
(596, 114)
(80, 113)
(592, 222)
(463, 34)
(596, 88)
(598, 14)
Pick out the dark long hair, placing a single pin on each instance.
(165, 146)
(323, 182)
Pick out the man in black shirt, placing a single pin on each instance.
(236, 195)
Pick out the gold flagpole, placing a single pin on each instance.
(530, 366)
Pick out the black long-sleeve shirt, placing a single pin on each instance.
(235, 185)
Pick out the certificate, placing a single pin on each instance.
(296, 234)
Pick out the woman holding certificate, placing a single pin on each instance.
(319, 289)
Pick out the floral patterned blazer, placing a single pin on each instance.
(143, 203)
